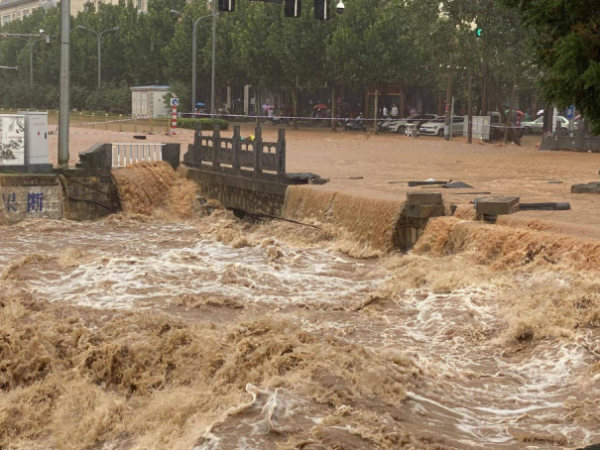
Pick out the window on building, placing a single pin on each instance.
(6, 19)
(26, 13)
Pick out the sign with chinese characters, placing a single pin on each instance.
(19, 201)
(12, 140)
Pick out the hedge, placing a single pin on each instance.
(205, 124)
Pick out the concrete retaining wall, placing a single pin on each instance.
(62, 194)
(30, 197)
(244, 193)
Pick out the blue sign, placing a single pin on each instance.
(570, 112)
(174, 101)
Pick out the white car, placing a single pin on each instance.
(400, 125)
(436, 127)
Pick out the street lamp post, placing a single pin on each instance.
(99, 37)
(47, 39)
(194, 52)
(214, 43)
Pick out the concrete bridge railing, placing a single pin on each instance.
(254, 158)
(124, 154)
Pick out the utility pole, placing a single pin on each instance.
(448, 119)
(99, 38)
(470, 112)
(194, 52)
(65, 75)
(214, 46)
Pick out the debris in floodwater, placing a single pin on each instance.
(426, 183)
(549, 206)
(457, 185)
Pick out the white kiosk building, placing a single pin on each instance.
(149, 100)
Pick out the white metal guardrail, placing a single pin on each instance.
(124, 154)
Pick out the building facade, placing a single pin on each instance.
(11, 10)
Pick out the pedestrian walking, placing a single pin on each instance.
(394, 111)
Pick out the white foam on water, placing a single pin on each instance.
(478, 389)
(137, 267)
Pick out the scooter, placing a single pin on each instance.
(356, 124)
(384, 125)
(280, 120)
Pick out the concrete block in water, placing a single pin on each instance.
(497, 205)
(587, 188)
(423, 211)
(424, 198)
(550, 206)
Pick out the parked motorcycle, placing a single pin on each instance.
(281, 120)
(384, 125)
(356, 124)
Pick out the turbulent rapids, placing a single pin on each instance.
(175, 325)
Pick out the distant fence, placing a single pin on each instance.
(124, 154)
(112, 122)
(580, 140)
(238, 156)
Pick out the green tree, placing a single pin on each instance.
(565, 38)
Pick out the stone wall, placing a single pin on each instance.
(30, 196)
(61, 194)
(250, 195)
(90, 194)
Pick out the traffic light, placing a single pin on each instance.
(322, 10)
(227, 5)
(479, 32)
(293, 8)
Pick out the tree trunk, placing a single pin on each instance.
(333, 110)
(258, 106)
(484, 96)
(295, 104)
(402, 103)
(375, 113)
(447, 130)
(470, 112)
(509, 117)
(547, 118)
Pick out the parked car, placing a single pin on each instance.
(436, 127)
(399, 125)
(537, 125)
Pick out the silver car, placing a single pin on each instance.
(537, 125)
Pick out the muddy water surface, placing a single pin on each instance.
(212, 333)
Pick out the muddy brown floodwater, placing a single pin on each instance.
(186, 328)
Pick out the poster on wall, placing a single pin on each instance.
(12, 140)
